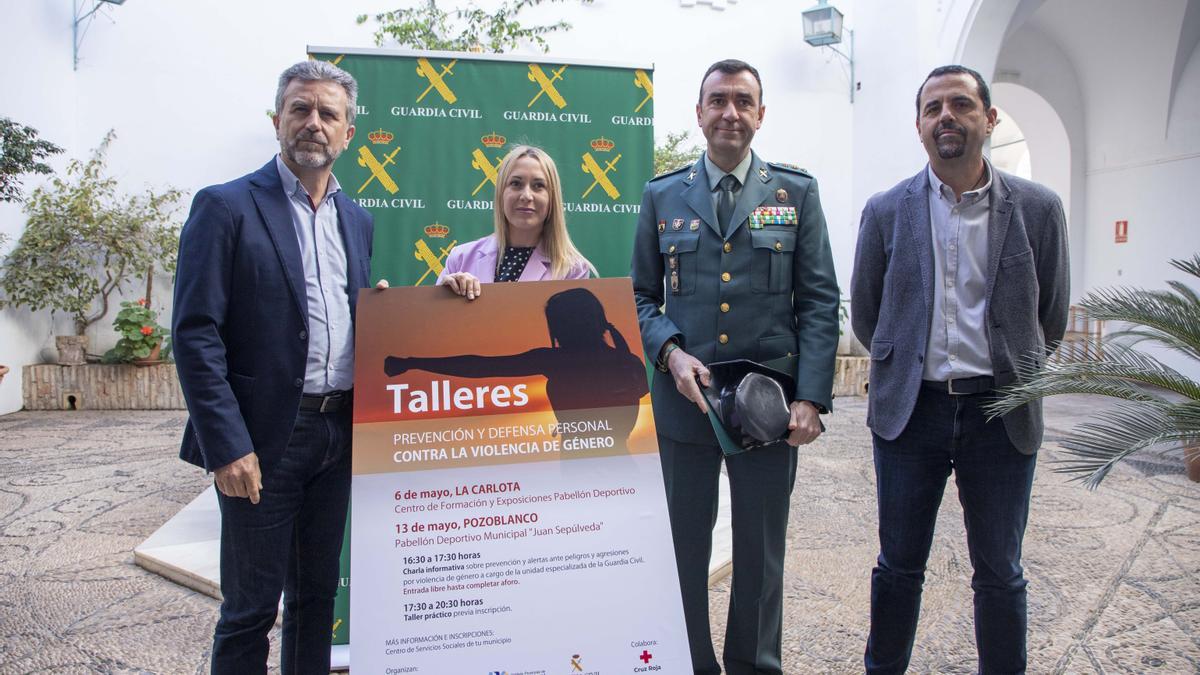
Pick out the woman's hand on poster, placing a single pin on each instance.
(465, 284)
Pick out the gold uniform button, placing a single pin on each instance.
(726, 276)
(671, 249)
(724, 306)
(728, 247)
(723, 339)
(778, 246)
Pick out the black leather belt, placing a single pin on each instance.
(327, 403)
(963, 386)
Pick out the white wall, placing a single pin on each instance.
(1040, 69)
(1114, 73)
(1147, 179)
(38, 91)
(809, 120)
(187, 85)
(1142, 144)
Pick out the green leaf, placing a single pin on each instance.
(428, 26)
(21, 152)
(1158, 405)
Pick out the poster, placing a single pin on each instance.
(509, 509)
(431, 129)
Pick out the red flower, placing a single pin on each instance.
(142, 302)
(146, 330)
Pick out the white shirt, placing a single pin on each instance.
(330, 363)
(958, 339)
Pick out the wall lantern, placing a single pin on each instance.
(80, 17)
(823, 28)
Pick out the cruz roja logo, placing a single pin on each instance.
(546, 85)
(433, 261)
(378, 169)
(480, 162)
(437, 80)
(600, 175)
(641, 80)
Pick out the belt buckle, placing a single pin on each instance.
(325, 400)
(949, 388)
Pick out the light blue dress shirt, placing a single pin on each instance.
(958, 339)
(330, 363)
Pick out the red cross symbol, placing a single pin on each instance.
(646, 656)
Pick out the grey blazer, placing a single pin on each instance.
(891, 294)
(766, 290)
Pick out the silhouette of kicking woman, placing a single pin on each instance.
(582, 370)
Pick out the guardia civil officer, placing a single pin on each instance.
(732, 260)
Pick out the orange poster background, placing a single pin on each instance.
(433, 322)
(374, 448)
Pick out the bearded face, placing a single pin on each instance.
(953, 121)
(312, 126)
(309, 149)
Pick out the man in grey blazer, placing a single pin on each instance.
(960, 274)
(732, 261)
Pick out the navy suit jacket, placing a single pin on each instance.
(891, 294)
(240, 321)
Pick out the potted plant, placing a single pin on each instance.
(1160, 406)
(141, 336)
(82, 242)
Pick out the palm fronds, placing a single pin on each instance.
(1097, 445)
(1159, 405)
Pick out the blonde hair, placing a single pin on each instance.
(556, 242)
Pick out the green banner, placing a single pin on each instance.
(432, 128)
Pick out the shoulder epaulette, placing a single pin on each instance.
(790, 167)
(672, 172)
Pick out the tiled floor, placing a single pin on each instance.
(1114, 575)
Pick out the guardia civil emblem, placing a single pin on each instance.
(378, 167)
(641, 80)
(546, 86)
(600, 174)
(425, 253)
(437, 79)
(480, 161)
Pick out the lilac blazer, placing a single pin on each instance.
(479, 257)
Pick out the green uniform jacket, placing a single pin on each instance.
(765, 291)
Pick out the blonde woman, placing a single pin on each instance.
(530, 242)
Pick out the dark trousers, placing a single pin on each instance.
(760, 485)
(949, 433)
(288, 543)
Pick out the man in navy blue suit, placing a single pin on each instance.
(269, 269)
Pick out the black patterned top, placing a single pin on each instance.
(513, 264)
